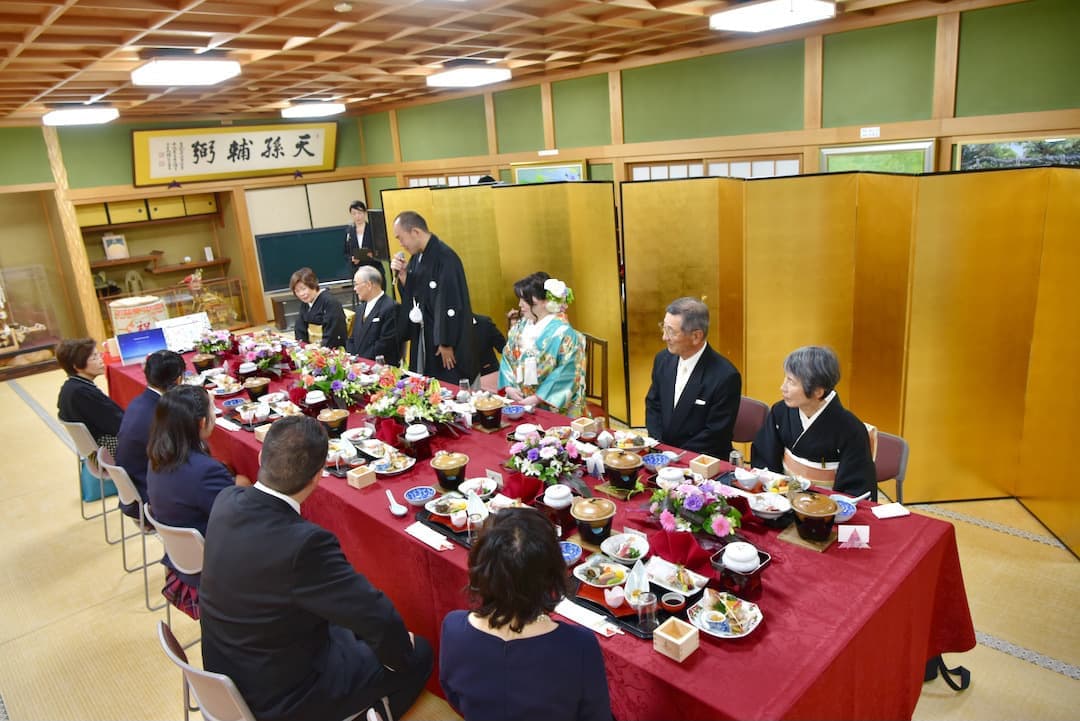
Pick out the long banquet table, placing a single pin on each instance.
(846, 633)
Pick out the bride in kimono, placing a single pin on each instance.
(544, 358)
(810, 434)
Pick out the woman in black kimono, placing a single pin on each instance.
(319, 308)
(810, 434)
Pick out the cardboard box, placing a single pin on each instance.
(586, 425)
(676, 639)
(707, 466)
(361, 476)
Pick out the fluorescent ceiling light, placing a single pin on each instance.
(185, 71)
(88, 115)
(312, 110)
(772, 14)
(467, 76)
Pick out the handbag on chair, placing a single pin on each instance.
(91, 484)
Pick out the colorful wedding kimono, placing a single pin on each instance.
(546, 358)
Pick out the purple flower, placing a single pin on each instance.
(351, 376)
(336, 386)
(533, 454)
(693, 502)
(400, 384)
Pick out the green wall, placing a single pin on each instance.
(347, 154)
(582, 111)
(378, 143)
(375, 186)
(1019, 58)
(879, 75)
(26, 159)
(601, 171)
(748, 91)
(519, 120)
(450, 129)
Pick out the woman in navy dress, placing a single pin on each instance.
(508, 659)
(183, 479)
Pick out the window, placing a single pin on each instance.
(914, 157)
(769, 167)
(452, 181)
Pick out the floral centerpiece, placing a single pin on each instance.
(549, 460)
(214, 341)
(334, 372)
(266, 355)
(408, 399)
(700, 507)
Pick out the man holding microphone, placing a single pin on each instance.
(436, 312)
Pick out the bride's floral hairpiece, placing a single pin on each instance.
(559, 295)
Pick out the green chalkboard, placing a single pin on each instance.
(321, 249)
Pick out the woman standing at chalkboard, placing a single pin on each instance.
(360, 241)
(319, 311)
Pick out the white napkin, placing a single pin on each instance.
(594, 464)
(584, 617)
(429, 536)
(637, 579)
(473, 505)
(890, 510)
(227, 424)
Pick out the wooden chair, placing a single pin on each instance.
(891, 461)
(596, 376)
(749, 420)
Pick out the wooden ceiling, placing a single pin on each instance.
(368, 53)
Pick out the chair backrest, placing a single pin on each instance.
(85, 444)
(125, 488)
(750, 419)
(217, 695)
(892, 457)
(184, 545)
(596, 371)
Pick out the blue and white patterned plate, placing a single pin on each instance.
(571, 552)
(233, 403)
(419, 495)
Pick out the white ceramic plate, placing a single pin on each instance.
(445, 504)
(483, 487)
(340, 449)
(773, 482)
(231, 391)
(393, 464)
(361, 433)
(275, 397)
(662, 573)
(597, 565)
(612, 544)
(768, 505)
(373, 447)
(697, 614)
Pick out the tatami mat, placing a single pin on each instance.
(77, 643)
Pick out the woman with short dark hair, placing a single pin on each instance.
(183, 479)
(508, 659)
(809, 434)
(319, 308)
(80, 399)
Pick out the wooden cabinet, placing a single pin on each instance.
(93, 214)
(127, 211)
(200, 204)
(166, 208)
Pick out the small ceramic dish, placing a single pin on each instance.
(846, 509)
(233, 403)
(673, 602)
(655, 461)
(419, 495)
(513, 412)
(571, 552)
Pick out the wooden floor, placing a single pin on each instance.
(76, 641)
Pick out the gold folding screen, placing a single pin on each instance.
(1052, 391)
(504, 233)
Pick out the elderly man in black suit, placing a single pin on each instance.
(695, 391)
(284, 614)
(374, 331)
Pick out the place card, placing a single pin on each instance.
(890, 510)
(494, 476)
(854, 536)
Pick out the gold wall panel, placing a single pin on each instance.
(800, 258)
(1052, 391)
(401, 199)
(670, 235)
(883, 244)
(978, 241)
(466, 221)
(728, 320)
(597, 309)
(533, 224)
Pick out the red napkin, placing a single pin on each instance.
(681, 548)
(749, 520)
(387, 430)
(518, 485)
(297, 394)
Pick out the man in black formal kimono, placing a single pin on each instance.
(283, 612)
(374, 330)
(810, 434)
(435, 310)
(695, 391)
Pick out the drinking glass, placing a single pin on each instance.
(475, 521)
(380, 360)
(646, 611)
(465, 390)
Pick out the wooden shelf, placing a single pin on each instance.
(149, 221)
(179, 267)
(133, 260)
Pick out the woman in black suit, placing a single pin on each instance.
(80, 400)
(360, 241)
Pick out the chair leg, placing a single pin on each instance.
(899, 491)
(146, 571)
(105, 516)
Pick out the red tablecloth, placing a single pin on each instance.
(846, 634)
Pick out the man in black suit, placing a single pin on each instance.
(301, 633)
(695, 391)
(374, 331)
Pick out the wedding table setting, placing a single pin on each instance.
(716, 593)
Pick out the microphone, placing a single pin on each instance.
(400, 255)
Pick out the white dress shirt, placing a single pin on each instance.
(368, 305)
(682, 373)
(277, 494)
